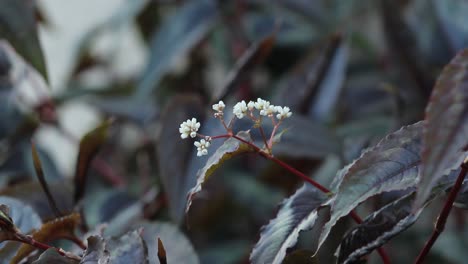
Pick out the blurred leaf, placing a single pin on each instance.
(42, 181)
(298, 213)
(31, 193)
(300, 88)
(19, 27)
(254, 55)
(161, 252)
(96, 251)
(390, 165)
(51, 256)
(230, 148)
(89, 147)
(402, 40)
(452, 20)
(22, 215)
(301, 257)
(446, 123)
(129, 248)
(178, 248)
(175, 38)
(15, 213)
(60, 228)
(174, 153)
(305, 138)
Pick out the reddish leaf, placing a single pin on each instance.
(446, 129)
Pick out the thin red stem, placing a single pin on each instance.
(442, 219)
(357, 219)
(31, 241)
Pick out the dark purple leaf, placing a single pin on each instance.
(446, 129)
(161, 252)
(129, 248)
(298, 213)
(390, 165)
(230, 148)
(96, 251)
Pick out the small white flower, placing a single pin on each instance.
(251, 105)
(268, 110)
(240, 109)
(219, 107)
(189, 128)
(202, 147)
(283, 112)
(261, 104)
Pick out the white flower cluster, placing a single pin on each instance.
(202, 147)
(264, 107)
(189, 128)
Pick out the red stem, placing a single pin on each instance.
(442, 219)
(356, 218)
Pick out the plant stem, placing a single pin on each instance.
(356, 218)
(31, 241)
(442, 219)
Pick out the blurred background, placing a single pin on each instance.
(351, 71)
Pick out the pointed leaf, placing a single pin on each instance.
(446, 124)
(384, 224)
(18, 25)
(298, 212)
(230, 148)
(89, 147)
(178, 247)
(176, 37)
(254, 55)
(174, 154)
(161, 252)
(59, 228)
(390, 165)
(42, 181)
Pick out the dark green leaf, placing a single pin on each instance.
(18, 25)
(175, 38)
(174, 154)
(390, 165)
(446, 124)
(298, 213)
(254, 55)
(230, 148)
(89, 147)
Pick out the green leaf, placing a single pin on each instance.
(390, 165)
(446, 128)
(230, 148)
(174, 154)
(298, 213)
(18, 26)
(177, 35)
(89, 147)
